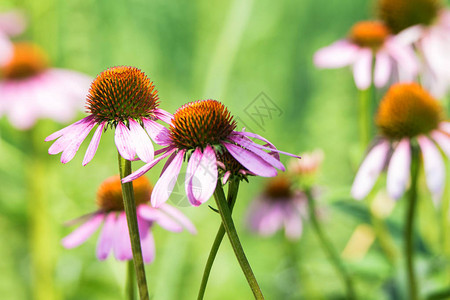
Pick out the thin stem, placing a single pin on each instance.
(233, 188)
(129, 204)
(365, 113)
(131, 281)
(329, 249)
(409, 225)
(228, 223)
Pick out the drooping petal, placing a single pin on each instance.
(383, 69)
(71, 149)
(362, 69)
(250, 145)
(205, 176)
(268, 147)
(143, 144)
(106, 239)
(157, 132)
(179, 217)
(410, 35)
(124, 143)
(167, 181)
(193, 164)
(405, 57)
(122, 244)
(82, 233)
(445, 126)
(399, 169)
(68, 134)
(148, 248)
(144, 169)
(337, 55)
(93, 145)
(292, 224)
(155, 215)
(6, 49)
(443, 141)
(369, 170)
(434, 166)
(163, 115)
(251, 161)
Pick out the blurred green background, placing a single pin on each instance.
(225, 50)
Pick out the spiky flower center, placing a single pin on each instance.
(200, 123)
(109, 194)
(401, 14)
(28, 60)
(122, 93)
(407, 110)
(279, 187)
(371, 34)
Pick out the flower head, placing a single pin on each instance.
(203, 133)
(30, 89)
(401, 14)
(408, 114)
(122, 98)
(114, 235)
(279, 206)
(368, 40)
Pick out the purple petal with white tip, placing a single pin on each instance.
(362, 69)
(399, 169)
(93, 145)
(124, 143)
(106, 239)
(143, 144)
(155, 215)
(148, 248)
(383, 69)
(163, 115)
(157, 132)
(144, 169)
(434, 166)
(82, 233)
(339, 54)
(179, 217)
(122, 244)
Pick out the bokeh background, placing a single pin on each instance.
(232, 51)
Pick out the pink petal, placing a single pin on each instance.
(82, 233)
(226, 176)
(251, 161)
(435, 53)
(71, 149)
(399, 169)
(68, 134)
(434, 166)
(141, 171)
(6, 49)
(148, 248)
(268, 147)
(193, 163)
(122, 244)
(124, 143)
(93, 145)
(445, 126)
(410, 35)
(154, 215)
(163, 115)
(250, 145)
(204, 176)
(142, 142)
(443, 141)
(157, 132)
(167, 181)
(362, 69)
(369, 170)
(12, 22)
(179, 217)
(405, 57)
(105, 242)
(292, 225)
(383, 68)
(337, 55)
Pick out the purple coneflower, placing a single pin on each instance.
(368, 40)
(114, 235)
(12, 23)
(426, 25)
(279, 206)
(122, 98)
(407, 115)
(201, 132)
(30, 89)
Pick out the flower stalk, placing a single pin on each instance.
(365, 113)
(130, 211)
(230, 229)
(329, 249)
(233, 188)
(131, 281)
(409, 224)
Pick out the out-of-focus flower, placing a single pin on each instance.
(408, 114)
(202, 132)
(369, 40)
(114, 235)
(279, 206)
(12, 23)
(308, 165)
(426, 25)
(31, 90)
(122, 98)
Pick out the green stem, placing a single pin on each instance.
(233, 188)
(130, 281)
(129, 204)
(329, 249)
(409, 225)
(365, 113)
(228, 223)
